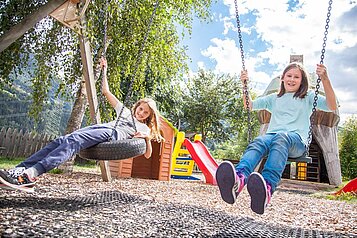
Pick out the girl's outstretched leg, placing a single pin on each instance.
(262, 186)
(231, 180)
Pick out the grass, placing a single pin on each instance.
(8, 163)
(329, 194)
(349, 197)
(90, 166)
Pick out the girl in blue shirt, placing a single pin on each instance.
(286, 136)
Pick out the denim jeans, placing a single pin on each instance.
(277, 147)
(63, 148)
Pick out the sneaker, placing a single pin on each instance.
(259, 191)
(16, 172)
(229, 183)
(20, 181)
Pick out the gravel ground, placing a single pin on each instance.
(81, 205)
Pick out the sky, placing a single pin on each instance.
(271, 32)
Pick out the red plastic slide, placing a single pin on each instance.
(203, 159)
(351, 187)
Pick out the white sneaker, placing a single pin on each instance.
(16, 172)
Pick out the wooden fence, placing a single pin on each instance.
(17, 143)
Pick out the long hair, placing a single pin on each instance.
(302, 91)
(153, 119)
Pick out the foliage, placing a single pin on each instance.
(16, 102)
(36, 55)
(213, 107)
(349, 197)
(163, 59)
(211, 104)
(56, 54)
(230, 149)
(234, 147)
(8, 163)
(205, 104)
(348, 148)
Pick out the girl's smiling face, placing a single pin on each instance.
(142, 112)
(292, 80)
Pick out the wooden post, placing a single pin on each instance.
(88, 74)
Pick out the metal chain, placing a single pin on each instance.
(313, 116)
(245, 83)
(141, 49)
(105, 37)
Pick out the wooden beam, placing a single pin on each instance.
(27, 23)
(88, 74)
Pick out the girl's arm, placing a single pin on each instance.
(147, 138)
(244, 78)
(329, 92)
(113, 100)
(148, 151)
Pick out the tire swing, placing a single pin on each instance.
(120, 149)
(305, 157)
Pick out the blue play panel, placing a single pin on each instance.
(184, 177)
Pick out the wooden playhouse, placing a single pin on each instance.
(157, 167)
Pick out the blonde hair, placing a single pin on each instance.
(302, 91)
(153, 119)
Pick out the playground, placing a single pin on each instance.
(82, 205)
(130, 195)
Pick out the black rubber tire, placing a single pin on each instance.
(115, 150)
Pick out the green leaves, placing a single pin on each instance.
(348, 148)
(52, 50)
(206, 104)
(213, 107)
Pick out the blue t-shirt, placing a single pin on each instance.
(289, 114)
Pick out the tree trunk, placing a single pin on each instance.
(75, 121)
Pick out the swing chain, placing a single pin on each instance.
(105, 37)
(138, 59)
(313, 115)
(245, 84)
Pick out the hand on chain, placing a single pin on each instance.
(244, 76)
(103, 63)
(321, 71)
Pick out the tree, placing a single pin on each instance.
(207, 105)
(36, 50)
(55, 48)
(163, 60)
(348, 150)
(234, 148)
(213, 107)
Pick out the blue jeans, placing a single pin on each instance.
(63, 148)
(278, 147)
